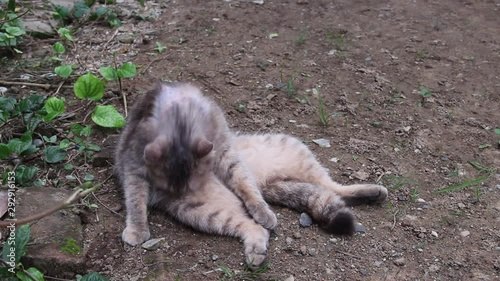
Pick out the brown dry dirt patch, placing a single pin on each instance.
(368, 61)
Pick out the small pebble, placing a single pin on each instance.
(334, 240)
(303, 250)
(3, 90)
(465, 233)
(420, 200)
(461, 205)
(434, 268)
(313, 252)
(399, 262)
(37, 142)
(305, 220)
(290, 278)
(214, 257)
(297, 235)
(377, 263)
(289, 241)
(434, 234)
(359, 228)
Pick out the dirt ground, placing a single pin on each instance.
(370, 63)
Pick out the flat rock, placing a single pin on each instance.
(152, 244)
(322, 142)
(52, 237)
(39, 28)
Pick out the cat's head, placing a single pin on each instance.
(171, 163)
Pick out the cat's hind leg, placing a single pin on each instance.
(215, 209)
(325, 206)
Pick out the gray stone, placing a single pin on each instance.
(465, 233)
(39, 29)
(303, 250)
(152, 244)
(400, 262)
(3, 90)
(52, 233)
(322, 142)
(359, 228)
(297, 235)
(305, 220)
(289, 241)
(290, 278)
(214, 257)
(65, 3)
(377, 263)
(312, 252)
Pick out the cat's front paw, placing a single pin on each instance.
(263, 215)
(255, 257)
(134, 235)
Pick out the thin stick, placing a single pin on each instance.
(6, 21)
(79, 193)
(45, 86)
(394, 220)
(110, 39)
(347, 254)
(106, 206)
(55, 278)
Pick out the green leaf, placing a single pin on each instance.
(65, 33)
(65, 143)
(8, 104)
(54, 154)
(497, 131)
(108, 116)
(80, 9)
(32, 103)
(33, 271)
(61, 12)
(424, 92)
(88, 177)
(24, 174)
(109, 73)
(19, 145)
(52, 139)
(15, 31)
(64, 70)
(15, 248)
(93, 276)
(68, 167)
(4, 151)
(160, 47)
(89, 87)
(59, 48)
(32, 122)
(127, 70)
(54, 107)
(11, 5)
(87, 131)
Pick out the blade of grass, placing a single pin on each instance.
(462, 185)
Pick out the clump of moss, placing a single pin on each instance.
(71, 247)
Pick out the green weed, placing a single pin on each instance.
(301, 39)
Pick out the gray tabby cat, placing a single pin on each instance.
(177, 154)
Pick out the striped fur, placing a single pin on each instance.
(178, 154)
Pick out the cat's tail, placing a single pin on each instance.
(323, 205)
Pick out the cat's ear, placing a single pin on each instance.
(154, 151)
(203, 147)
